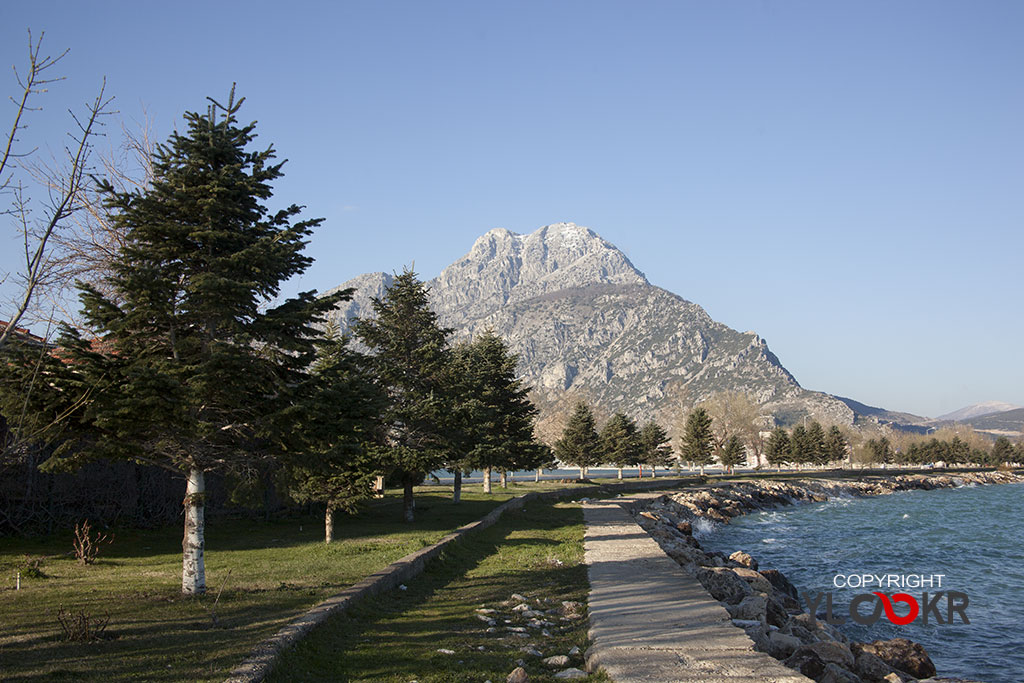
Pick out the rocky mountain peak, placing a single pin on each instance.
(504, 267)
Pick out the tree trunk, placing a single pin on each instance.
(537, 475)
(193, 566)
(504, 479)
(653, 470)
(408, 504)
(702, 469)
(620, 473)
(487, 479)
(583, 472)
(329, 524)
(457, 487)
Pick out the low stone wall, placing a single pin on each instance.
(264, 656)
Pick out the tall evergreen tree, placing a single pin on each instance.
(959, 451)
(620, 442)
(192, 373)
(816, 444)
(880, 450)
(579, 444)
(338, 418)
(733, 454)
(411, 359)
(835, 445)
(801, 450)
(494, 411)
(1002, 451)
(655, 449)
(698, 440)
(777, 450)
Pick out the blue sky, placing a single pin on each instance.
(843, 178)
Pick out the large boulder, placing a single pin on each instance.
(836, 674)
(813, 659)
(798, 630)
(899, 653)
(685, 554)
(782, 645)
(776, 613)
(871, 667)
(752, 607)
(780, 583)
(754, 578)
(740, 557)
(723, 584)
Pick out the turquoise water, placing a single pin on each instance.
(974, 535)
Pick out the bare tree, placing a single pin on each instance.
(84, 249)
(64, 180)
(733, 413)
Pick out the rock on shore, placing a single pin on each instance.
(764, 602)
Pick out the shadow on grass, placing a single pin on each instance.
(535, 552)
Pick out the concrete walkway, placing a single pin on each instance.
(652, 623)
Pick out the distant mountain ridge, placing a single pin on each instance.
(978, 410)
(1003, 423)
(586, 323)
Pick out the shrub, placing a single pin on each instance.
(87, 546)
(81, 627)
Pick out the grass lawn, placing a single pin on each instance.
(397, 637)
(278, 569)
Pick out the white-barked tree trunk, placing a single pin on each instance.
(193, 566)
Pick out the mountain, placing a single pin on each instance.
(1004, 423)
(978, 410)
(586, 323)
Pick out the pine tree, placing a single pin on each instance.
(191, 373)
(1002, 451)
(620, 443)
(777, 450)
(800, 449)
(338, 419)
(655, 449)
(835, 445)
(733, 454)
(411, 359)
(579, 444)
(494, 411)
(816, 444)
(881, 450)
(698, 439)
(959, 451)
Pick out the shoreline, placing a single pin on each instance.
(764, 603)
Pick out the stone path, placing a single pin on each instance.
(652, 623)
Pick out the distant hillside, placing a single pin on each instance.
(903, 421)
(1006, 422)
(978, 410)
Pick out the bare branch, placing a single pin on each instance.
(64, 183)
(31, 84)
